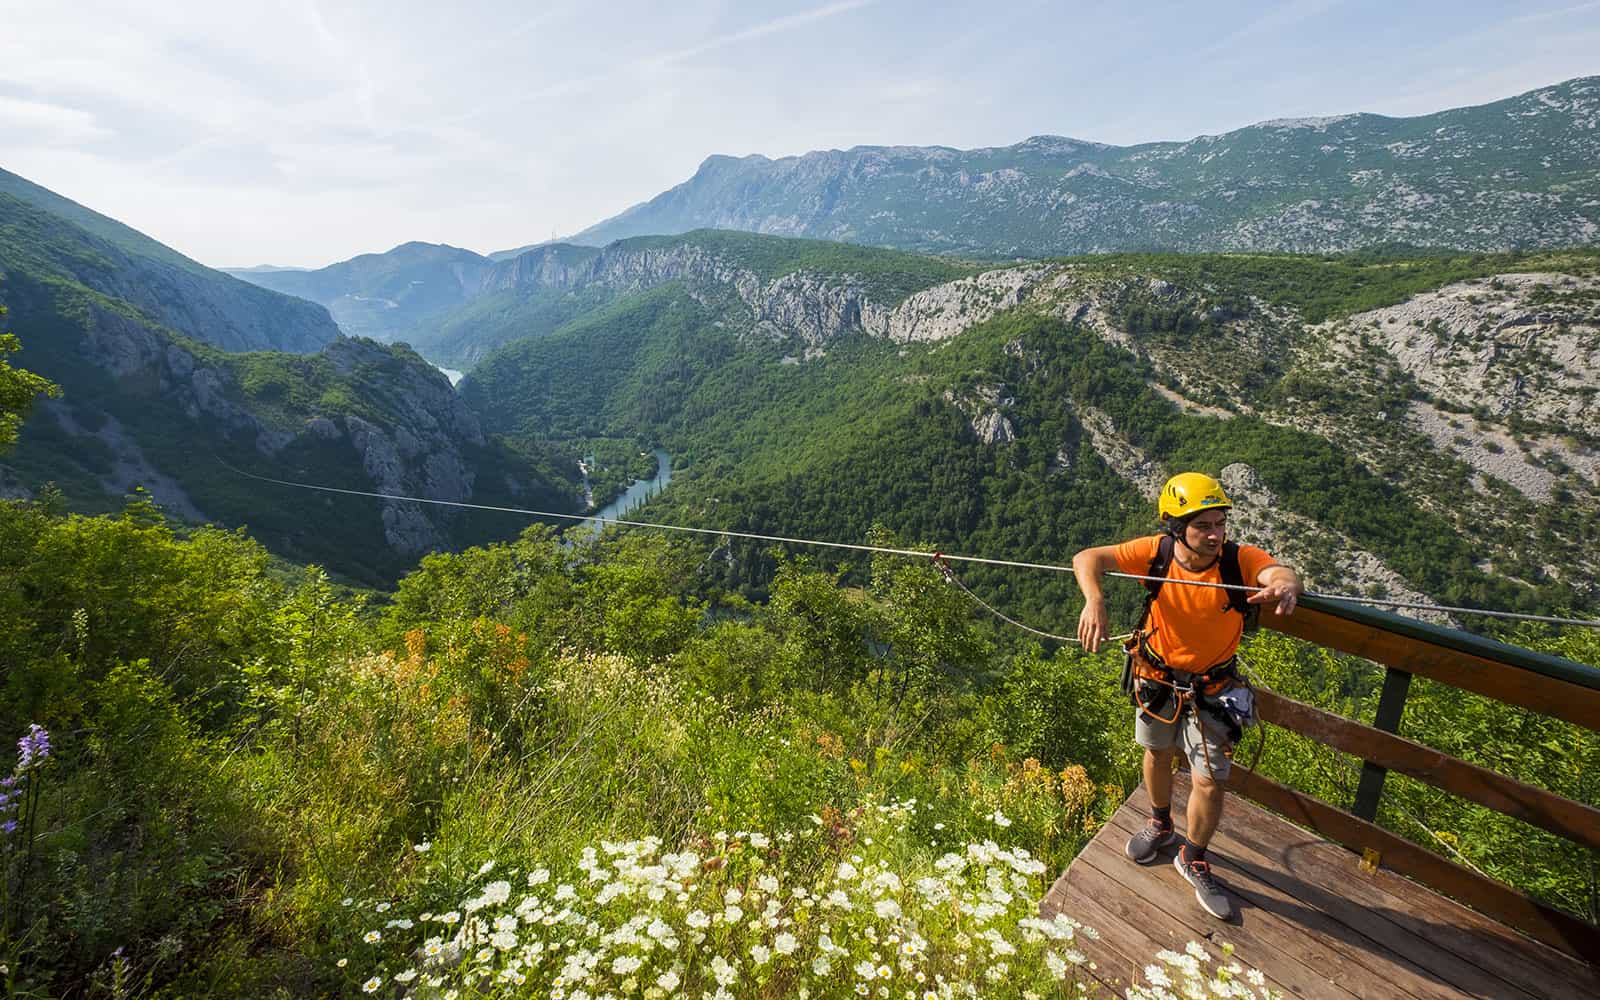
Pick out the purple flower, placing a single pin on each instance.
(8, 826)
(34, 747)
(8, 782)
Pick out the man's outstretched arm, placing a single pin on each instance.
(1089, 566)
(1281, 584)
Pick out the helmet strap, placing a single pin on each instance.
(1178, 528)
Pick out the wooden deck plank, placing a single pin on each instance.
(1357, 958)
(1116, 953)
(1306, 917)
(1287, 958)
(1492, 898)
(1419, 921)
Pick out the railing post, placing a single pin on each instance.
(1391, 706)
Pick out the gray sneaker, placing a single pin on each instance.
(1207, 890)
(1142, 846)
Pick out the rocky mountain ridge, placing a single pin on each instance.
(1511, 174)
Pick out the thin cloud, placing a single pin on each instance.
(579, 84)
(771, 27)
(1278, 20)
(53, 122)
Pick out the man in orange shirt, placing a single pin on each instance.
(1183, 663)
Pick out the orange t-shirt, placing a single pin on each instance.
(1192, 628)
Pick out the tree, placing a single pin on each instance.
(18, 389)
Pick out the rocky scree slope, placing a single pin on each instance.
(1517, 173)
(1477, 400)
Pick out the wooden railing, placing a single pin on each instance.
(1543, 683)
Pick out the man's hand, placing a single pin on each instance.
(1280, 584)
(1092, 625)
(1089, 566)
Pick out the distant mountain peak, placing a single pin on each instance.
(1515, 173)
(1318, 123)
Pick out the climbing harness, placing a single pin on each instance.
(1219, 691)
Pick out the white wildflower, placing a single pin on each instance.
(785, 943)
(760, 954)
(1056, 964)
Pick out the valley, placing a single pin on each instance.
(343, 742)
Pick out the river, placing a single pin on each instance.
(636, 494)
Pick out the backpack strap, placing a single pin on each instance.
(1232, 575)
(1159, 564)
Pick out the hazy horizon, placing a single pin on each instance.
(300, 134)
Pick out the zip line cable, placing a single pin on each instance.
(949, 575)
(912, 553)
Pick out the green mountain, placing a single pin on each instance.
(45, 235)
(152, 404)
(539, 290)
(383, 295)
(1369, 413)
(1518, 173)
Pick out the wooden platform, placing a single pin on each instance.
(1305, 915)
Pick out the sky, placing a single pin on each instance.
(305, 132)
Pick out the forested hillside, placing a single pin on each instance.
(137, 338)
(1032, 423)
(45, 238)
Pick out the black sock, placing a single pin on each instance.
(1163, 814)
(1191, 854)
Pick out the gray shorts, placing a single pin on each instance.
(1200, 740)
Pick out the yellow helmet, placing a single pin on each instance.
(1190, 493)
